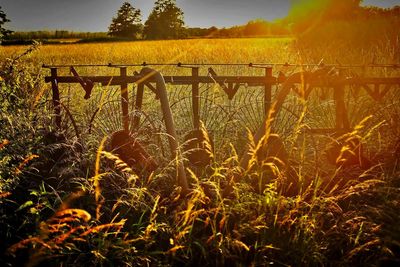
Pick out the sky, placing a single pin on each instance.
(96, 15)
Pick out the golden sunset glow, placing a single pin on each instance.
(256, 140)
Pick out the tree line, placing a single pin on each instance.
(166, 21)
(56, 34)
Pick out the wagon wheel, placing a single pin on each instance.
(69, 126)
(385, 113)
(321, 113)
(108, 119)
(305, 146)
(212, 112)
(103, 116)
(286, 113)
(247, 108)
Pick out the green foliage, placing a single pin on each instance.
(17, 85)
(57, 34)
(307, 15)
(127, 23)
(325, 9)
(3, 19)
(165, 21)
(17, 82)
(254, 28)
(200, 32)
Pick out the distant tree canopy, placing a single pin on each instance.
(305, 14)
(200, 32)
(165, 21)
(327, 8)
(263, 28)
(320, 22)
(3, 20)
(127, 23)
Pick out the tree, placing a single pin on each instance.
(165, 21)
(342, 9)
(3, 20)
(128, 22)
(307, 14)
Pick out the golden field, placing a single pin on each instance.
(70, 200)
(262, 50)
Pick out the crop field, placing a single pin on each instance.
(289, 197)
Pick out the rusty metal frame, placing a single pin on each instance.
(230, 84)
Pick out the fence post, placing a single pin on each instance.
(195, 98)
(124, 100)
(267, 90)
(56, 97)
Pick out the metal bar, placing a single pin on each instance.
(250, 80)
(56, 97)
(267, 91)
(73, 65)
(179, 80)
(124, 101)
(260, 64)
(195, 98)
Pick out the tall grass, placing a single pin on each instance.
(79, 204)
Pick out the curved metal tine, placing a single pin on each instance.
(255, 109)
(110, 117)
(187, 104)
(241, 118)
(330, 115)
(207, 112)
(215, 118)
(282, 122)
(206, 105)
(174, 97)
(92, 109)
(250, 115)
(213, 115)
(100, 124)
(204, 92)
(241, 103)
(202, 110)
(181, 104)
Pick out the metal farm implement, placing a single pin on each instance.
(229, 99)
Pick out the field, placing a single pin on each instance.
(68, 200)
(192, 51)
(274, 50)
